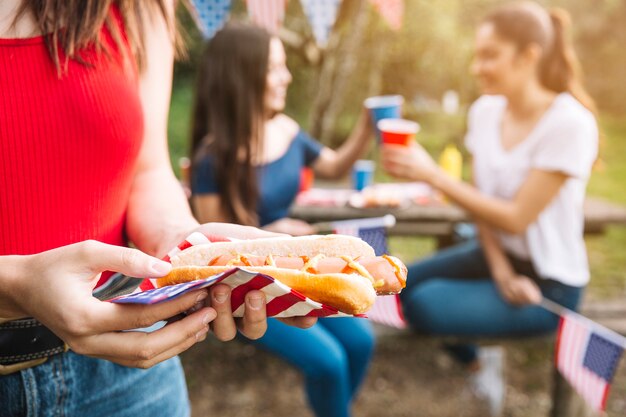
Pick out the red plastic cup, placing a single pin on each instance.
(307, 176)
(397, 131)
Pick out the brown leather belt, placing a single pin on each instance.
(25, 343)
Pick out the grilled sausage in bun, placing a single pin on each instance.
(339, 271)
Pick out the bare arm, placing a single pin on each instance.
(515, 288)
(333, 164)
(158, 213)
(512, 216)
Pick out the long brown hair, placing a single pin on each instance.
(525, 23)
(74, 24)
(228, 115)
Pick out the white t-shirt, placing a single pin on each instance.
(564, 140)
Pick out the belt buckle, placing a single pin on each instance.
(20, 366)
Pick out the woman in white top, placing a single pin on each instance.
(533, 138)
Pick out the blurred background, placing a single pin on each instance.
(426, 61)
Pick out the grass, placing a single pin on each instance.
(179, 122)
(606, 252)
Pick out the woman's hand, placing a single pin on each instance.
(235, 231)
(408, 162)
(290, 226)
(519, 290)
(55, 288)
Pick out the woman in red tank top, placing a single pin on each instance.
(84, 169)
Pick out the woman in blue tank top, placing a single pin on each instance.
(246, 163)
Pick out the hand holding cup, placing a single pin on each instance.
(410, 162)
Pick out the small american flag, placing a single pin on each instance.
(387, 309)
(268, 14)
(587, 355)
(376, 237)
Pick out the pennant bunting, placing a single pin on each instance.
(392, 11)
(268, 14)
(321, 15)
(587, 356)
(211, 15)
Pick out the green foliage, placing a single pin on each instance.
(179, 126)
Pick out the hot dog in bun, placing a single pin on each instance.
(336, 270)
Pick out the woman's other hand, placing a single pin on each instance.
(55, 287)
(519, 290)
(236, 231)
(290, 226)
(408, 162)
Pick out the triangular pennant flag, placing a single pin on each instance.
(390, 10)
(267, 13)
(211, 15)
(321, 15)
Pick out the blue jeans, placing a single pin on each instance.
(71, 385)
(452, 293)
(333, 355)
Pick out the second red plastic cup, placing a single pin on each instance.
(397, 131)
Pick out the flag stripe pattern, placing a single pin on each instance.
(586, 358)
(268, 14)
(387, 309)
(282, 301)
(211, 15)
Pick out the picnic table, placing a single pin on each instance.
(436, 218)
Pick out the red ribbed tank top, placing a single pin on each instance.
(68, 145)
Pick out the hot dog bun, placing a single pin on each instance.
(329, 245)
(350, 293)
(323, 268)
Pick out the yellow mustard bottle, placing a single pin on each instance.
(451, 162)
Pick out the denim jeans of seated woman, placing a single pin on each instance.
(333, 356)
(73, 385)
(453, 294)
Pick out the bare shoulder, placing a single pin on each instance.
(286, 124)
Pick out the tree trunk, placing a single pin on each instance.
(339, 62)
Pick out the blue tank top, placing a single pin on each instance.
(278, 181)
